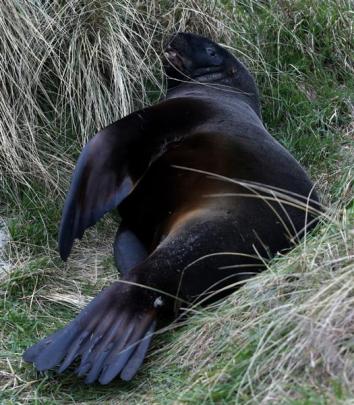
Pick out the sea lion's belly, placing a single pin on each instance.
(178, 183)
(216, 172)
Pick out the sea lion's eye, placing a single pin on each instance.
(210, 51)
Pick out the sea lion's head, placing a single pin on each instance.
(193, 58)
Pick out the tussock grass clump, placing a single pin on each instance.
(69, 68)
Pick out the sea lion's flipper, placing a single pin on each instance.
(116, 158)
(128, 250)
(99, 182)
(110, 338)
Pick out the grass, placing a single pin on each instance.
(69, 69)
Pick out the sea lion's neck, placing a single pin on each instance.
(218, 84)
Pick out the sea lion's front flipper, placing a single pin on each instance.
(116, 158)
(110, 338)
(101, 180)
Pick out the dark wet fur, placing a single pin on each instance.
(176, 221)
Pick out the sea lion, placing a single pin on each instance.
(206, 196)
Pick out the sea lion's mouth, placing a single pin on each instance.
(174, 58)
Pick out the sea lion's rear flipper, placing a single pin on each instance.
(129, 251)
(116, 158)
(110, 339)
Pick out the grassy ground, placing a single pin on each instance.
(67, 69)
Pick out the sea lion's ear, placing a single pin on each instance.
(99, 183)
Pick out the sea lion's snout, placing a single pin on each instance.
(176, 51)
(174, 58)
